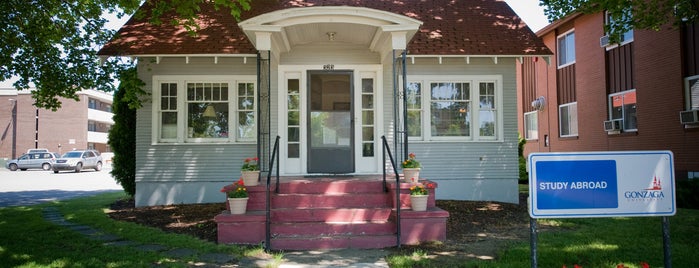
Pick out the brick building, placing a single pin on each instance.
(593, 95)
(76, 125)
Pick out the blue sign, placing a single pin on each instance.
(601, 184)
(576, 184)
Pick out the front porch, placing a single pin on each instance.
(333, 212)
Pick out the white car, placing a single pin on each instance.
(78, 160)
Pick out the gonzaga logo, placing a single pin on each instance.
(654, 192)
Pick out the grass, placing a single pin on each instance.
(28, 240)
(593, 242)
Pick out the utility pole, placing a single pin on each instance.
(14, 128)
(36, 132)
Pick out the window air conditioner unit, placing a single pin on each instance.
(613, 125)
(604, 41)
(689, 117)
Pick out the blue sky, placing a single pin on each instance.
(528, 10)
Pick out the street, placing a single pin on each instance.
(21, 188)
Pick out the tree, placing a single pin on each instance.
(645, 14)
(53, 44)
(122, 135)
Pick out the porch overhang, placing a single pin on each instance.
(378, 31)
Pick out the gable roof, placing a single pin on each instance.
(450, 27)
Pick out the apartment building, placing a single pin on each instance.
(641, 93)
(76, 125)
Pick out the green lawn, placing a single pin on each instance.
(28, 240)
(595, 242)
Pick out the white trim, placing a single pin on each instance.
(610, 105)
(474, 81)
(558, 49)
(181, 81)
(526, 137)
(688, 97)
(288, 166)
(560, 120)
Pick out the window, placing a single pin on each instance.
(200, 110)
(487, 112)
(610, 21)
(92, 104)
(566, 49)
(207, 110)
(414, 91)
(450, 108)
(293, 117)
(454, 108)
(692, 91)
(622, 105)
(91, 126)
(568, 116)
(531, 125)
(367, 117)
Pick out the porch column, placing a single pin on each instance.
(263, 109)
(399, 46)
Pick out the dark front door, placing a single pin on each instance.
(330, 122)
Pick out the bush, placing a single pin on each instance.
(523, 175)
(122, 135)
(687, 194)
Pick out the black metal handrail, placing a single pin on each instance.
(387, 149)
(268, 206)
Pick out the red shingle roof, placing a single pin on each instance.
(450, 27)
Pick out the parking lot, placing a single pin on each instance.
(19, 188)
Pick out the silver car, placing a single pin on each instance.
(78, 160)
(42, 160)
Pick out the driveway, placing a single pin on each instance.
(22, 188)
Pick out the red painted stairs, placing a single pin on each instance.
(331, 213)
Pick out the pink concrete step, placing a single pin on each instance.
(320, 229)
(335, 242)
(345, 200)
(331, 186)
(347, 215)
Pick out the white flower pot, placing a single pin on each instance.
(418, 202)
(251, 178)
(411, 175)
(238, 205)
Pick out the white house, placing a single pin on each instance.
(330, 78)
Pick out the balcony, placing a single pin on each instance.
(100, 116)
(97, 137)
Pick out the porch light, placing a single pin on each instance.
(331, 36)
(210, 111)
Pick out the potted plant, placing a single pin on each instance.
(411, 168)
(251, 171)
(237, 197)
(419, 194)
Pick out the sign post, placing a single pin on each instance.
(602, 184)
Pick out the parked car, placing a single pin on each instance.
(78, 160)
(42, 160)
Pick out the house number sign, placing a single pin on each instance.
(329, 67)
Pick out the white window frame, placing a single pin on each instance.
(567, 43)
(572, 121)
(610, 107)
(181, 128)
(474, 81)
(689, 97)
(627, 37)
(420, 110)
(534, 127)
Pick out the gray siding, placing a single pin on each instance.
(185, 173)
(468, 170)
